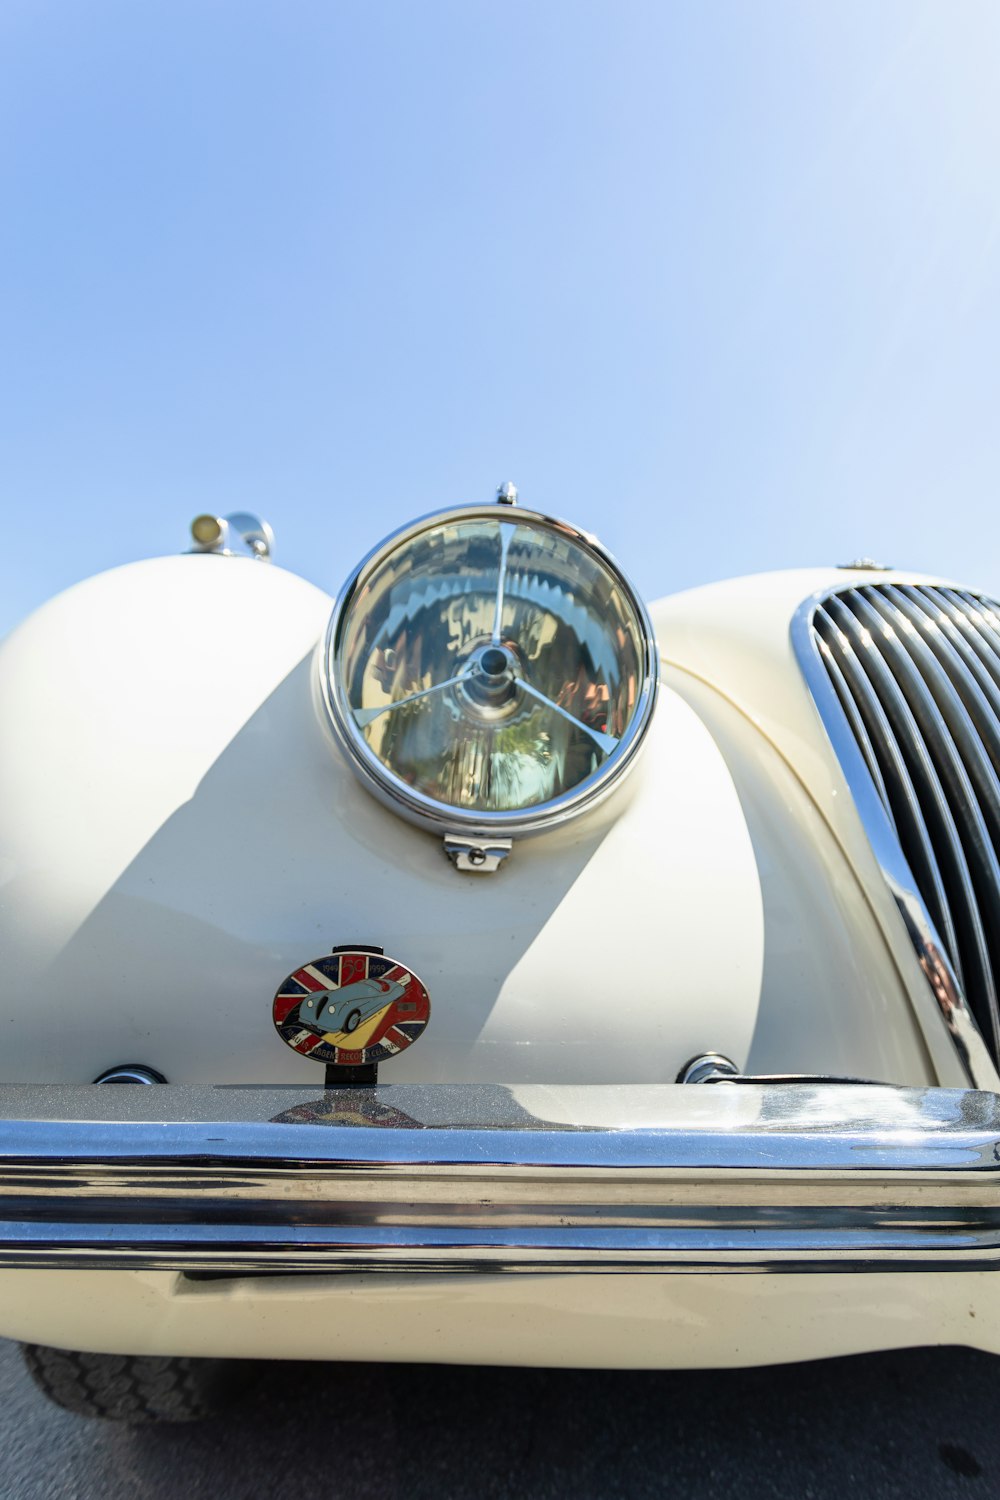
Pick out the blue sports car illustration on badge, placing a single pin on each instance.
(345, 1009)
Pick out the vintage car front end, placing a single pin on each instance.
(533, 979)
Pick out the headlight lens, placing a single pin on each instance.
(490, 668)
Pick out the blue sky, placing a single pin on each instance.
(719, 281)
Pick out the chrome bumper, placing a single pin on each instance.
(447, 1179)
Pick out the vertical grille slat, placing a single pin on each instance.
(971, 855)
(916, 672)
(966, 770)
(976, 629)
(982, 610)
(904, 804)
(861, 734)
(949, 888)
(979, 691)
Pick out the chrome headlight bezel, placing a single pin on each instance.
(442, 817)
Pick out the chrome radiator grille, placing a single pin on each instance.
(917, 672)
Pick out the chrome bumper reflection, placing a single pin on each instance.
(725, 1177)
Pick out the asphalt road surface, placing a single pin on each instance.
(914, 1424)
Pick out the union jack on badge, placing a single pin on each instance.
(351, 1008)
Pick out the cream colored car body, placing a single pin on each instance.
(178, 832)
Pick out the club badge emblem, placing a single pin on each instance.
(351, 1007)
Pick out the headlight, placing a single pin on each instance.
(490, 670)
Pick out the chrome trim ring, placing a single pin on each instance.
(837, 687)
(131, 1073)
(442, 817)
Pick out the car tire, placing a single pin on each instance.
(353, 1021)
(135, 1388)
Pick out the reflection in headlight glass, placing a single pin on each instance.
(491, 665)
